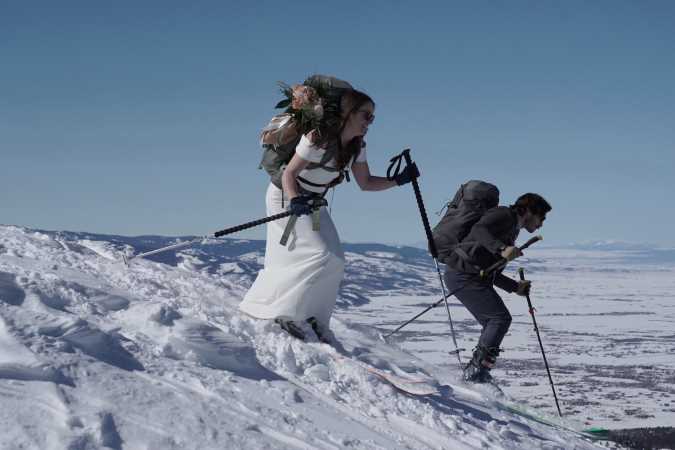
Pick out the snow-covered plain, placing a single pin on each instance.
(94, 354)
(607, 321)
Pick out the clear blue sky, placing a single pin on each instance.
(143, 117)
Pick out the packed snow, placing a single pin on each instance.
(155, 355)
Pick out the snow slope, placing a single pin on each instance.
(94, 354)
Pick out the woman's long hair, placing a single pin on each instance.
(351, 101)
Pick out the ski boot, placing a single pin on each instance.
(291, 328)
(478, 369)
(321, 334)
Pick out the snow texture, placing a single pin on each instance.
(95, 354)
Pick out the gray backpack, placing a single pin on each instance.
(284, 131)
(471, 201)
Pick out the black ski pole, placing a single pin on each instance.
(483, 274)
(254, 223)
(432, 246)
(521, 271)
(217, 234)
(430, 307)
(502, 262)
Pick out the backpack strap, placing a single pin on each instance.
(337, 180)
(309, 183)
(328, 155)
(467, 259)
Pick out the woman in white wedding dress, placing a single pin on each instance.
(300, 280)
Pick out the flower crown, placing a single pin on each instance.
(312, 105)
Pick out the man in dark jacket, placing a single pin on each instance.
(491, 239)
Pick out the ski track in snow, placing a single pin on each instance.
(94, 354)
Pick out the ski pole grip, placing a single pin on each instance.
(502, 262)
(531, 241)
(521, 272)
(394, 167)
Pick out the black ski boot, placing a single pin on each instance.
(478, 369)
(291, 328)
(318, 330)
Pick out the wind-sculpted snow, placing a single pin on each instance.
(95, 354)
(17, 363)
(211, 347)
(106, 347)
(9, 291)
(28, 373)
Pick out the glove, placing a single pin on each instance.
(300, 205)
(407, 174)
(523, 288)
(510, 253)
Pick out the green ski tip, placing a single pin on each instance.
(597, 432)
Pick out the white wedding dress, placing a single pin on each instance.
(299, 280)
(302, 279)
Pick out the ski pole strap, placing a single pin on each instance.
(395, 165)
(317, 202)
(502, 262)
(290, 226)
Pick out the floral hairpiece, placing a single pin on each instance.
(304, 103)
(311, 106)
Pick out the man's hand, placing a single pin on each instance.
(510, 253)
(524, 288)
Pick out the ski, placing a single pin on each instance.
(492, 394)
(402, 383)
(594, 433)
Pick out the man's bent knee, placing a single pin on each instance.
(503, 321)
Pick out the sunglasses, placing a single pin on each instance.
(367, 115)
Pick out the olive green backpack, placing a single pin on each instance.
(283, 132)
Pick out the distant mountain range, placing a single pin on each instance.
(613, 245)
(631, 251)
(607, 245)
(372, 269)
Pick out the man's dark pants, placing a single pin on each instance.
(483, 302)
